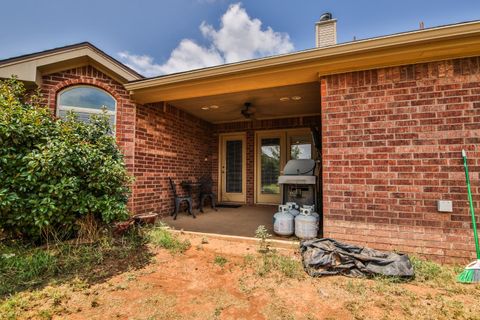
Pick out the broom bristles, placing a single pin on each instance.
(469, 276)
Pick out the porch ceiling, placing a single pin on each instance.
(266, 102)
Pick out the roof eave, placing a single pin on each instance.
(30, 67)
(413, 38)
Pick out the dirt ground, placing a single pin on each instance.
(218, 279)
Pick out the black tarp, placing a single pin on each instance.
(322, 257)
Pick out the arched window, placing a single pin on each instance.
(85, 101)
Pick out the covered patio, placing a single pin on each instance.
(239, 134)
(252, 134)
(247, 140)
(241, 221)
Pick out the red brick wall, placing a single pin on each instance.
(392, 141)
(391, 144)
(250, 127)
(52, 84)
(161, 142)
(168, 143)
(56, 82)
(157, 142)
(172, 143)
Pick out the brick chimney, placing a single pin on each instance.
(326, 31)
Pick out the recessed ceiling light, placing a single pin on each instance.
(205, 108)
(284, 98)
(213, 106)
(296, 98)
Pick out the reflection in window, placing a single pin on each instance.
(300, 147)
(85, 101)
(270, 170)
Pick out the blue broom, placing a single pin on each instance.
(471, 274)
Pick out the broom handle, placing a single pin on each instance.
(470, 200)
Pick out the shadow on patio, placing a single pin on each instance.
(242, 221)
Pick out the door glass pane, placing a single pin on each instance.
(270, 156)
(233, 168)
(300, 147)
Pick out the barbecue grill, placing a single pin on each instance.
(299, 183)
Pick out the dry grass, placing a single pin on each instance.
(213, 283)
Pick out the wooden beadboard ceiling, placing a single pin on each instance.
(266, 102)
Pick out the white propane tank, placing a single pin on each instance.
(312, 211)
(293, 208)
(283, 221)
(310, 207)
(306, 225)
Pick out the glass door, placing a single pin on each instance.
(299, 144)
(270, 163)
(273, 150)
(232, 168)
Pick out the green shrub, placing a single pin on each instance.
(53, 171)
(162, 237)
(220, 261)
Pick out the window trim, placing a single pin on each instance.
(87, 110)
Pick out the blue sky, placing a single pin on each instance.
(158, 37)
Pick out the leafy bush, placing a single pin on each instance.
(160, 236)
(54, 171)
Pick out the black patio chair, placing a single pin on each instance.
(179, 199)
(206, 192)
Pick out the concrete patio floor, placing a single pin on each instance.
(242, 221)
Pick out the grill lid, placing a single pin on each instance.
(296, 180)
(299, 171)
(300, 167)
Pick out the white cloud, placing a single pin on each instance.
(241, 37)
(189, 55)
(186, 56)
(141, 63)
(238, 38)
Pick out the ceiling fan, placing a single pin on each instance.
(248, 111)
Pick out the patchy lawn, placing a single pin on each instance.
(188, 277)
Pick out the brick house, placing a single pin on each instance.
(394, 113)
